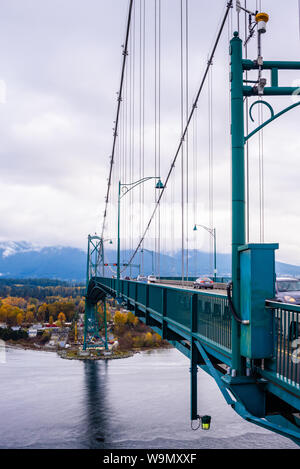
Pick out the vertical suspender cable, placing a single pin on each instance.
(187, 134)
(195, 187)
(159, 128)
(262, 168)
(155, 124)
(132, 193)
(261, 162)
(210, 151)
(140, 124)
(247, 144)
(182, 147)
(143, 120)
(261, 177)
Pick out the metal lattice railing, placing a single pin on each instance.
(214, 319)
(287, 342)
(174, 304)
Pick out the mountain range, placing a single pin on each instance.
(25, 260)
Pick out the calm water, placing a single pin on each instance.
(138, 402)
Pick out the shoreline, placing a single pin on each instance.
(62, 353)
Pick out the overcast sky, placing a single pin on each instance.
(60, 64)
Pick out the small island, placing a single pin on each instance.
(48, 315)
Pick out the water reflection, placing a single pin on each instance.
(139, 402)
(95, 376)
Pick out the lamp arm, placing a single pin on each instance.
(128, 187)
(209, 230)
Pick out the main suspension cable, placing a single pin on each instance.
(112, 157)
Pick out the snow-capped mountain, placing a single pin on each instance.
(23, 259)
(26, 260)
(9, 248)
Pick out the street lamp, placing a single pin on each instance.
(151, 252)
(125, 189)
(212, 232)
(105, 241)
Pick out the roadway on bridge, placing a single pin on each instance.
(214, 291)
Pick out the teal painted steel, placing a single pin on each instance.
(274, 117)
(269, 65)
(203, 321)
(278, 385)
(265, 103)
(257, 270)
(286, 364)
(173, 305)
(194, 359)
(274, 77)
(91, 327)
(95, 263)
(272, 91)
(238, 187)
(105, 325)
(215, 375)
(197, 329)
(214, 319)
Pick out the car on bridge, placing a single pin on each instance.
(203, 282)
(288, 291)
(142, 278)
(151, 279)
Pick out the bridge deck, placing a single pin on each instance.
(184, 316)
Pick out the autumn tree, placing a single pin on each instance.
(81, 306)
(9, 313)
(29, 317)
(132, 319)
(42, 312)
(61, 319)
(148, 339)
(126, 341)
(15, 301)
(138, 341)
(20, 318)
(120, 320)
(157, 338)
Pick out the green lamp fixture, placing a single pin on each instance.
(159, 185)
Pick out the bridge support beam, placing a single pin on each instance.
(194, 359)
(238, 188)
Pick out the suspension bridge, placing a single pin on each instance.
(241, 337)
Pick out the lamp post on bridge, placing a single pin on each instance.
(151, 252)
(125, 188)
(109, 242)
(212, 232)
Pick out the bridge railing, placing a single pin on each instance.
(175, 305)
(286, 363)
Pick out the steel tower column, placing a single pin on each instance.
(238, 186)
